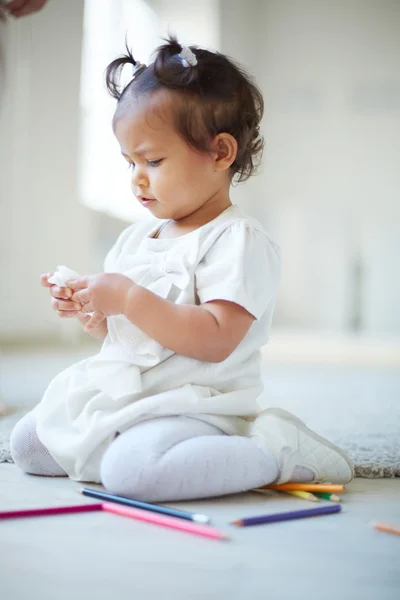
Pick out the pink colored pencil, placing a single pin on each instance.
(164, 521)
(45, 512)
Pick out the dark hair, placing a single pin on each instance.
(217, 96)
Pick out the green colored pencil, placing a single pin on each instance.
(327, 496)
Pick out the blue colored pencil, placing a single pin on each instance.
(157, 508)
(286, 516)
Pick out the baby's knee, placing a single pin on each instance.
(28, 452)
(128, 474)
(21, 441)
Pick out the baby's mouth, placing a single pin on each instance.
(146, 201)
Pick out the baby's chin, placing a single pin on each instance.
(154, 207)
(165, 211)
(159, 210)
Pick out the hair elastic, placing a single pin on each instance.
(137, 67)
(187, 57)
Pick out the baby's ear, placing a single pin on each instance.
(225, 149)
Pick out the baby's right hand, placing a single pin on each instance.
(60, 298)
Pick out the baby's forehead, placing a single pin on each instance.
(150, 116)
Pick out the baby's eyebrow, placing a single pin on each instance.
(141, 151)
(144, 148)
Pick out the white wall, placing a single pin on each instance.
(191, 21)
(42, 223)
(328, 189)
(330, 184)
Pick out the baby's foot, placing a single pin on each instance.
(302, 454)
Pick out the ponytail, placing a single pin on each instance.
(114, 71)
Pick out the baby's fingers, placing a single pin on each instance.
(61, 293)
(82, 317)
(94, 321)
(55, 290)
(65, 306)
(44, 279)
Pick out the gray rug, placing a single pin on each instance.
(6, 424)
(374, 455)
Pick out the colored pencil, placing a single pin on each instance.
(387, 528)
(306, 487)
(298, 493)
(286, 516)
(327, 496)
(302, 495)
(164, 510)
(45, 512)
(164, 521)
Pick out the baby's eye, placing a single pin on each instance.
(154, 163)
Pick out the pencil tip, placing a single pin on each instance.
(79, 490)
(238, 523)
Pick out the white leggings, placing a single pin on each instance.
(163, 459)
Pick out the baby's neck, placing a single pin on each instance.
(200, 217)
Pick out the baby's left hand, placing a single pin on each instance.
(104, 295)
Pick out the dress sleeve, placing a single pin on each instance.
(242, 266)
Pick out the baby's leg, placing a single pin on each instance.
(182, 458)
(28, 452)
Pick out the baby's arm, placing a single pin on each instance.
(209, 332)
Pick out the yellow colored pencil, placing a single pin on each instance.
(302, 494)
(387, 528)
(298, 493)
(306, 487)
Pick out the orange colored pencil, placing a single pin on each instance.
(387, 528)
(306, 487)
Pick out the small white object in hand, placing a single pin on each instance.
(62, 275)
(187, 57)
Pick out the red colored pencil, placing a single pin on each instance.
(44, 512)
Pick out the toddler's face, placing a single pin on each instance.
(169, 177)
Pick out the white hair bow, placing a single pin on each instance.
(187, 57)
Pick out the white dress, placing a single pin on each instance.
(133, 378)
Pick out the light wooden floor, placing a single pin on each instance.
(103, 556)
